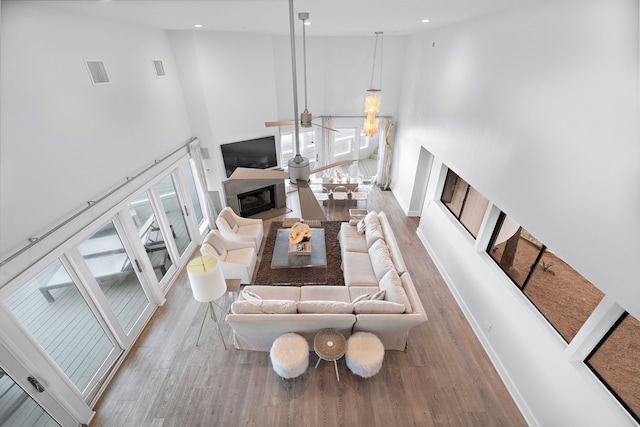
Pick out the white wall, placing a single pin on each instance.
(229, 89)
(537, 108)
(64, 141)
(234, 82)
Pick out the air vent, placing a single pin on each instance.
(159, 67)
(97, 72)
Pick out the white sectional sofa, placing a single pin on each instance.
(371, 262)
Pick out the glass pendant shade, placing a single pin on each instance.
(370, 126)
(372, 103)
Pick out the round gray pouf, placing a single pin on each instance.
(364, 354)
(290, 355)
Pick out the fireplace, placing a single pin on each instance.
(256, 201)
(235, 188)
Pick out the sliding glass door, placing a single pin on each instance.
(74, 312)
(61, 318)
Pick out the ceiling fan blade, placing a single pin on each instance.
(331, 165)
(309, 207)
(280, 123)
(253, 173)
(325, 127)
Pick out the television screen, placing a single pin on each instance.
(257, 153)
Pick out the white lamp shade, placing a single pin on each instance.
(206, 279)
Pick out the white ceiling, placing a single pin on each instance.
(327, 17)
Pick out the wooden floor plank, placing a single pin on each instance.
(444, 377)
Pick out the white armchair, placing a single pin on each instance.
(235, 227)
(238, 259)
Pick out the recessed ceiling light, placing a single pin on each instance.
(425, 20)
(198, 25)
(307, 23)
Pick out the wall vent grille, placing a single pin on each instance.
(97, 72)
(159, 67)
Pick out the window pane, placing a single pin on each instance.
(171, 204)
(286, 142)
(52, 309)
(106, 258)
(464, 202)
(455, 190)
(515, 251)
(193, 192)
(561, 294)
(617, 362)
(17, 408)
(473, 211)
(150, 234)
(344, 141)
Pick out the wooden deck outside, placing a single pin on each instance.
(444, 378)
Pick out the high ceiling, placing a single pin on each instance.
(327, 17)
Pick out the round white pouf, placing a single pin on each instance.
(290, 355)
(364, 354)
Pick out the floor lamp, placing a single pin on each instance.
(207, 285)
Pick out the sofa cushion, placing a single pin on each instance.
(378, 296)
(250, 296)
(394, 291)
(373, 229)
(335, 307)
(378, 307)
(362, 298)
(361, 227)
(324, 293)
(350, 240)
(380, 258)
(272, 306)
(275, 292)
(358, 270)
(356, 291)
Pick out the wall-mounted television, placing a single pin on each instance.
(257, 153)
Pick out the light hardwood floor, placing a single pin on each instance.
(444, 378)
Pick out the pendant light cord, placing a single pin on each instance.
(296, 135)
(375, 52)
(304, 62)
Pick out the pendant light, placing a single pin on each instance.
(372, 102)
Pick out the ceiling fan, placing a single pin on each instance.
(305, 117)
(299, 169)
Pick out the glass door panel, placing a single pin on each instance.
(17, 408)
(193, 192)
(150, 234)
(171, 205)
(110, 265)
(55, 313)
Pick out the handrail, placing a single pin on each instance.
(90, 204)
